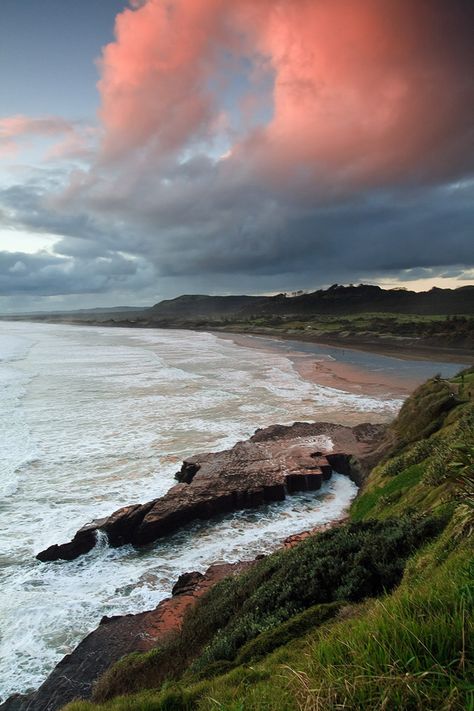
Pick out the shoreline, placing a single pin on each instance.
(296, 536)
(402, 352)
(329, 373)
(389, 348)
(325, 371)
(115, 637)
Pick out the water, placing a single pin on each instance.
(412, 372)
(92, 419)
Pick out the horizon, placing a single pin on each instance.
(148, 151)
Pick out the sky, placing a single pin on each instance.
(158, 147)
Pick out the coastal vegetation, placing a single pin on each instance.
(375, 613)
(370, 328)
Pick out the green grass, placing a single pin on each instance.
(438, 330)
(411, 649)
(280, 635)
(347, 563)
(375, 615)
(424, 413)
(380, 501)
(417, 476)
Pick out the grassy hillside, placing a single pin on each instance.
(396, 332)
(437, 318)
(372, 614)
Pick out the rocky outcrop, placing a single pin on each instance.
(275, 462)
(76, 673)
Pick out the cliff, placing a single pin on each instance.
(373, 613)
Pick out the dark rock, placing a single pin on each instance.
(299, 481)
(76, 673)
(187, 472)
(276, 461)
(118, 525)
(83, 542)
(186, 583)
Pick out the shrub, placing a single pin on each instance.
(296, 626)
(350, 562)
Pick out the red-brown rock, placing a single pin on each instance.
(276, 461)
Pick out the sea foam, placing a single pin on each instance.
(92, 419)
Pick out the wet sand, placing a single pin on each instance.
(342, 376)
(369, 373)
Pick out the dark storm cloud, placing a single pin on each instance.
(367, 235)
(363, 173)
(191, 240)
(43, 274)
(26, 205)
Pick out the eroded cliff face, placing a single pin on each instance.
(275, 462)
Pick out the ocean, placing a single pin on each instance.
(92, 419)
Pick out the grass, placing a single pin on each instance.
(280, 635)
(379, 501)
(424, 413)
(408, 651)
(376, 614)
(411, 649)
(418, 476)
(347, 563)
(443, 331)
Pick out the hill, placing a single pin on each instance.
(438, 323)
(337, 299)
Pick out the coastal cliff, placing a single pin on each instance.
(373, 613)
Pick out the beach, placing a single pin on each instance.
(372, 371)
(93, 419)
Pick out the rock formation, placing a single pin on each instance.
(275, 462)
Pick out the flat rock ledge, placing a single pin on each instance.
(275, 462)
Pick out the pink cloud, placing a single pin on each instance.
(365, 92)
(153, 75)
(73, 139)
(370, 91)
(16, 126)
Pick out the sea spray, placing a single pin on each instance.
(101, 540)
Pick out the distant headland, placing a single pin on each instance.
(436, 322)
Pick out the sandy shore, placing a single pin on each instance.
(329, 372)
(342, 376)
(402, 351)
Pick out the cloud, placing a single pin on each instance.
(15, 126)
(368, 92)
(262, 146)
(365, 97)
(363, 92)
(73, 139)
(44, 274)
